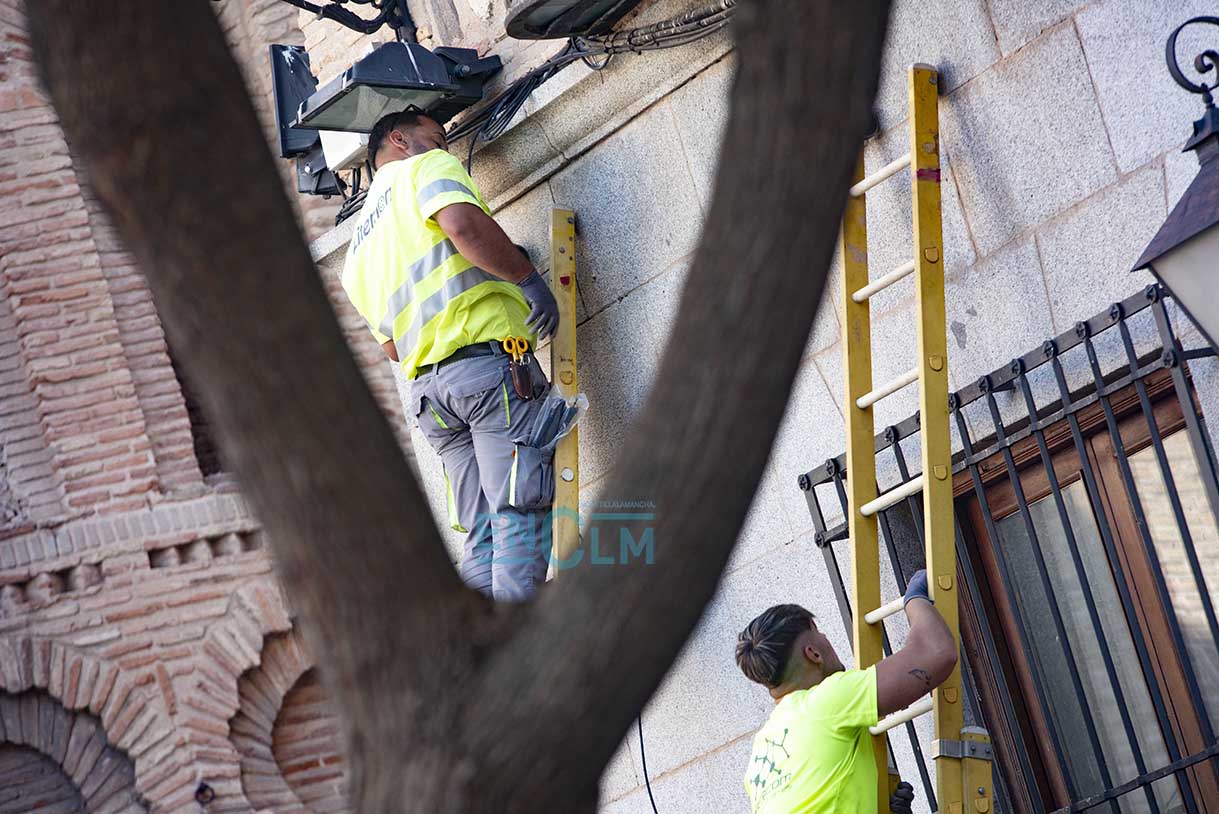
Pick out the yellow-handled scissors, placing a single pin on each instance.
(517, 346)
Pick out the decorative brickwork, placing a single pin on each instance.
(287, 734)
(100, 777)
(31, 783)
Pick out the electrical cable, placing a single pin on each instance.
(643, 758)
(493, 120)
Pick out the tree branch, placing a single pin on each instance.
(153, 104)
(452, 705)
(801, 107)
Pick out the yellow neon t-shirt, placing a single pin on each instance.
(407, 279)
(814, 755)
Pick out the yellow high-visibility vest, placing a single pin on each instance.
(407, 279)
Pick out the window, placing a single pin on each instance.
(1088, 555)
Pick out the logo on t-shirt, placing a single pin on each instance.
(364, 227)
(770, 773)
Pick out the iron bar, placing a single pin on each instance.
(1203, 452)
(1043, 575)
(919, 761)
(1152, 776)
(1174, 498)
(1173, 357)
(1032, 360)
(1081, 576)
(992, 655)
(827, 553)
(886, 533)
(1123, 589)
(1153, 558)
(993, 535)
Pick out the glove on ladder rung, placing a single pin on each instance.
(919, 707)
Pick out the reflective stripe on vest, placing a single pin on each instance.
(437, 302)
(405, 295)
(439, 188)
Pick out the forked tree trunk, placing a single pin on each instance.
(452, 704)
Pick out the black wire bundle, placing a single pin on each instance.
(492, 121)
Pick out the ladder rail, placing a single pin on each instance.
(955, 764)
(565, 520)
(868, 640)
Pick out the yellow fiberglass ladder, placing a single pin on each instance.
(565, 519)
(962, 755)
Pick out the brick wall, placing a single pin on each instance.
(31, 783)
(305, 745)
(135, 593)
(251, 26)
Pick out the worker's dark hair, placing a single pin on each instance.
(765, 645)
(388, 124)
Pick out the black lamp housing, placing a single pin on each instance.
(292, 81)
(393, 77)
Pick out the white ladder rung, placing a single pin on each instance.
(881, 283)
(889, 498)
(919, 707)
(885, 611)
(887, 389)
(885, 172)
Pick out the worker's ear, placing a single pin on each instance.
(813, 654)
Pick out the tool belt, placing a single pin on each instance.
(520, 363)
(470, 352)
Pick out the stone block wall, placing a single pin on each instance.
(1061, 133)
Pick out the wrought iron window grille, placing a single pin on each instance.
(824, 489)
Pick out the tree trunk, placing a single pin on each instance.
(452, 704)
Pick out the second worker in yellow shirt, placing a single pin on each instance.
(441, 286)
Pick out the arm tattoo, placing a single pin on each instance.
(922, 675)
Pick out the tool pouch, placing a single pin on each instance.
(522, 377)
(531, 479)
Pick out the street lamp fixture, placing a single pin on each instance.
(1184, 254)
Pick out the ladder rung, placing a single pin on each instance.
(881, 283)
(885, 611)
(887, 389)
(885, 172)
(889, 498)
(919, 707)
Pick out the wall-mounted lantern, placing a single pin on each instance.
(1184, 255)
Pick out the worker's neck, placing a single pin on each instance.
(805, 681)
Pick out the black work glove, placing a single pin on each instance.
(903, 797)
(916, 588)
(543, 309)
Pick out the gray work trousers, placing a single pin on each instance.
(500, 496)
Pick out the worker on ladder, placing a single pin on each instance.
(814, 755)
(460, 307)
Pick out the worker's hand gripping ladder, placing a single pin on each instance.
(963, 780)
